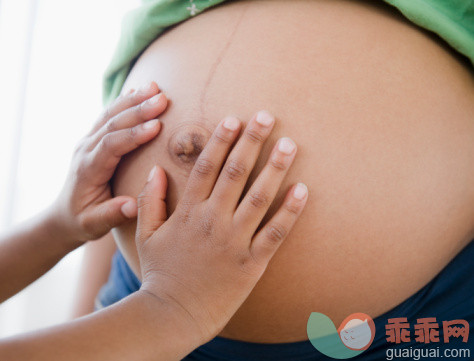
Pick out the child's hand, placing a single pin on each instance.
(85, 209)
(207, 257)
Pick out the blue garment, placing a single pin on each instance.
(449, 296)
(121, 283)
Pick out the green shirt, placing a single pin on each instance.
(452, 20)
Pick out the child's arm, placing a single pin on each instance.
(198, 266)
(85, 209)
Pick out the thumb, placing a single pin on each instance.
(152, 204)
(109, 214)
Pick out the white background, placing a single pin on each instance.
(52, 57)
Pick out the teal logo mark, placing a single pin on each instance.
(353, 337)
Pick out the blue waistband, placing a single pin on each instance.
(224, 349)
(449, 296)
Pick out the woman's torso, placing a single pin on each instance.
(383, 116)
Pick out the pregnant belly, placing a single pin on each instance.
(383, 116)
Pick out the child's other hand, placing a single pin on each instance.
(207, 257)
(85, 209)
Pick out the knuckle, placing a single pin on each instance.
(207, 227)
(84, 224)
(139, 110)
(221, 137)
(254, 136)
(292, 208)
(203, 166)
(259, 199)
(277, 164)
(110, 126)
(124, 101)
(235, 170)
(131, 133)
(184, 216)
(87, 226)
(106, 142)
(208, 223)
(142, 200)
(127, 97)
(276, 232)
(133, 137)
(143, 233)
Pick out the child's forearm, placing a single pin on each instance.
(85, 209)
(29, 251)
(141, 327)
(198, 266)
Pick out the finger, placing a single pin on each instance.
(241, 160)
(100, 219)
(106, 156)
(261, 194)
(125, 101)
(133, 116)
(269, 238)
(209, 163)
(152, 205)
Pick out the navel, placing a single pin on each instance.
(186, 143)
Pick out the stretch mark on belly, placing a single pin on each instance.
(219, 59)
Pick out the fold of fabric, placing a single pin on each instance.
(452, 20)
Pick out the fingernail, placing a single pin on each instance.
(231, 124)
(150, 124)
(265, 118)
(154, 99)
(286, 146)
(300, 191)
(152, 173)
(129, 209)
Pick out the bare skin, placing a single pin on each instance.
(95, 269)
(383, 116)
(84, 209)
(212, 237)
